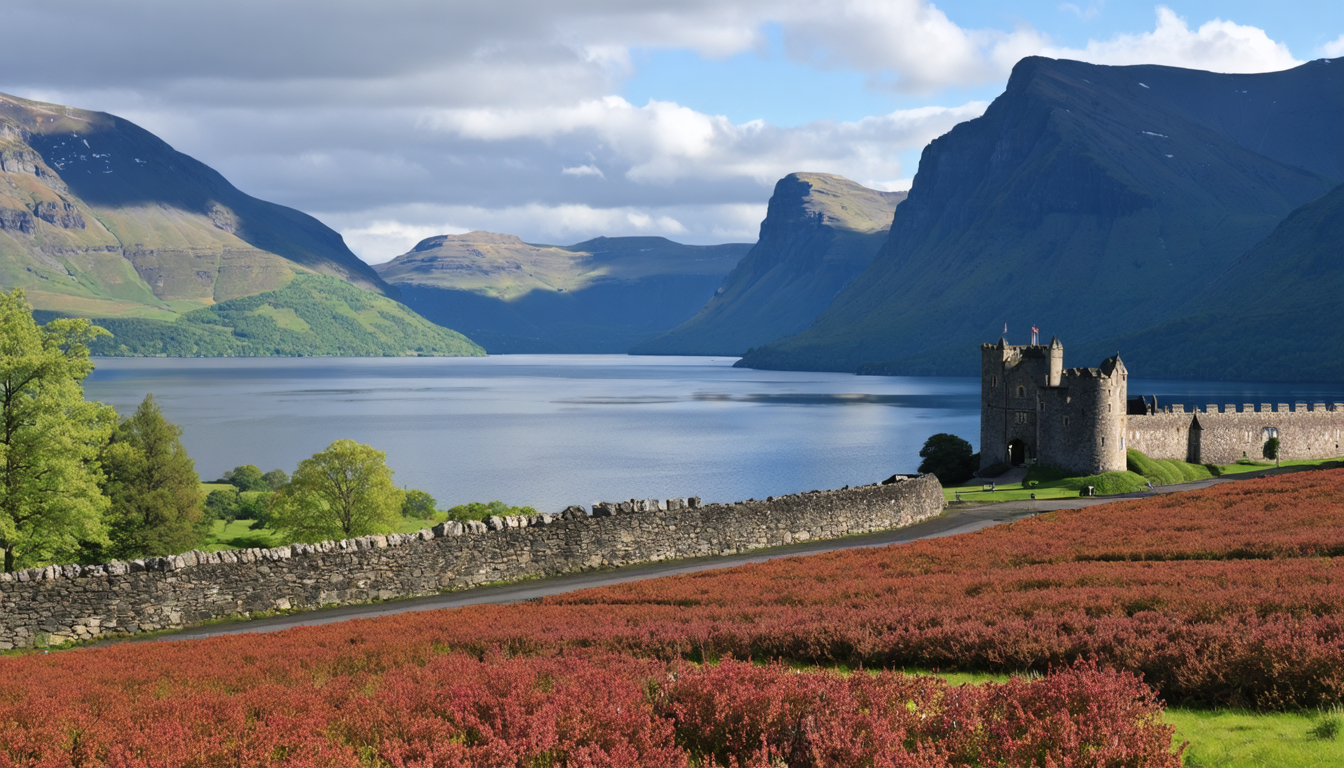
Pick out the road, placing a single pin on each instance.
(950, 523)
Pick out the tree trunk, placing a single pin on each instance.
(9, 558)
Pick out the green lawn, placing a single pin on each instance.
(1235, 739)
(1223, 738)
(1118, 482)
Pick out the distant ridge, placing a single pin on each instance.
(819, 232)
(599, 296)
(100, 218)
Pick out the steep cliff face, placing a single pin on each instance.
(819, 232)
(1273, 316)
(99, 217)
(1087, 200)
(599, 296)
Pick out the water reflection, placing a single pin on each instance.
(553, 430)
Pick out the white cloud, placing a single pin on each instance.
(584, 170)
(663, 142)
(1217, 45)
(894, 185)
(1333, 49)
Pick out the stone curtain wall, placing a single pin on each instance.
(1313, 431)
(70, 602)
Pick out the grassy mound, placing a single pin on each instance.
(1044, 476)
(1168, 471)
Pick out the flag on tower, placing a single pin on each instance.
(1005, 329)
(1035, 335)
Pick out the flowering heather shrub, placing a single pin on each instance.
(593, 710)
(1231, 595)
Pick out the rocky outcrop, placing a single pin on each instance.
(62, 214)
(819, 232)
(60, 603)
(16, 221)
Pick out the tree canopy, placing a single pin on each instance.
(247, 478)
(153, 486)
(419, 505)
(947, 457)
(50, 437)
(341, 492)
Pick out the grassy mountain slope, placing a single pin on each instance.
(1087, 200)
(602, 295)
(819, 232)
(1274, 316)
(311, 315)
(99, 217)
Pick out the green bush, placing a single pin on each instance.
(478, 511)
(947, 457)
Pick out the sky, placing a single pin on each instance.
(562, 120)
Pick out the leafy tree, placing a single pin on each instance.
(275, 479)
(342, 492)
(256, 505)
(948, 457)
(419, 505)
(50, 437)
(246, 478)
(152, 483)
(222, 504)
(1271, 449)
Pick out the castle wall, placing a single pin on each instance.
(1228, 433)
(72, 602)
(1160, 435)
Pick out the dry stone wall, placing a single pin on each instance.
(71, 602)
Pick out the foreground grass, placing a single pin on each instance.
(1229, 738)
(1112, 482)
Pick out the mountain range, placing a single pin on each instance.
(100, 218)
(599, 296)
(1095, 202)
(819, 232)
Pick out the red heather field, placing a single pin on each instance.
(1230, 595)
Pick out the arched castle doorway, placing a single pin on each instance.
(1017, 453)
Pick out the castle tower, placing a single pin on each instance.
(1011, 380)
(1083, 420)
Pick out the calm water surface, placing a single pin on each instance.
(553, 430)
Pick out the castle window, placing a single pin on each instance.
(1269, 432)
(993, 382)
(1108, 407)
(1103, 442)
(1021, 417)
(1066, 421)
(1021, 391)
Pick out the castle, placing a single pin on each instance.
(1032, 409)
